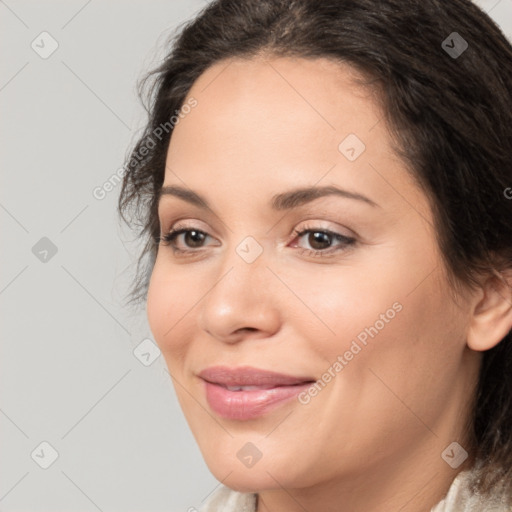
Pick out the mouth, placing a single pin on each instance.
(245, 393)
(247, 376)
(251, 388)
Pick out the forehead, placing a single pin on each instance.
(280, 122)
(263, 97)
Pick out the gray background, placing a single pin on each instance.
(71, 373)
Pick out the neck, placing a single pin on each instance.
(407, 484)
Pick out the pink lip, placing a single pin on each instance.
(273, 390)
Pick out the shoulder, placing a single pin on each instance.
(225, 499)
(461, 498)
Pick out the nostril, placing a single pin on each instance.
(248, 329)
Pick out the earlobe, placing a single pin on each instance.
(492, 313)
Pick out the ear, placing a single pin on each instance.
(492, 313)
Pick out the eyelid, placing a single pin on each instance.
(178, 229)
(184, 223)
(345, 242)
(314, 225)
(333, 228)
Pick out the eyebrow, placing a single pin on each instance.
(284, 201)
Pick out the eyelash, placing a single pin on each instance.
(170, 237)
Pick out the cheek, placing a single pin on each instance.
(158, 296)
(395, 319)
(408, 360)
(344, 304)
(168, 304)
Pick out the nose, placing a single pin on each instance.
(242, 301)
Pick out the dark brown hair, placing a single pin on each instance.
(450, 115)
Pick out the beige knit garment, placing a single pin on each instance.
(458, 499)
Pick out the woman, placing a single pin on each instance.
(322, 189)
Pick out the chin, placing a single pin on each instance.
(266, 474)
(248, 481)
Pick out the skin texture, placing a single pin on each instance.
(372, 439)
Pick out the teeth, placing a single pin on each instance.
(242, 388)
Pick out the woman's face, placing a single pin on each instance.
(369, 315)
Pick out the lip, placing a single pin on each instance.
(272, 389)
(250, 376)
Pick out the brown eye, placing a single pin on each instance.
(193, 238)
(321, 241)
